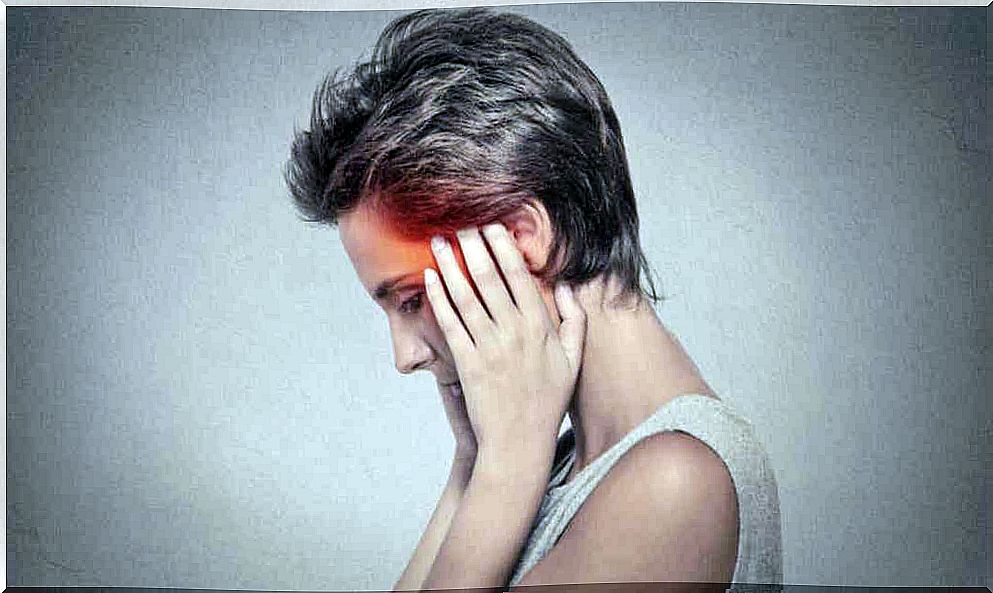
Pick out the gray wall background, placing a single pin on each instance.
(200, 394)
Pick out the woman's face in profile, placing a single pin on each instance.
(391, 269)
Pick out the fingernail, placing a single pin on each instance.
(437, 243)
(430, 276)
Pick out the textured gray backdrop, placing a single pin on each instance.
(201, 395)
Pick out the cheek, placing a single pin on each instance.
(430, 323)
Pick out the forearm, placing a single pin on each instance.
(491, 525)
(434, 534)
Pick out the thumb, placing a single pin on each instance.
(572, 331)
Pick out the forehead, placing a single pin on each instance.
(378, 252)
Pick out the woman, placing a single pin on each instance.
(477, 174)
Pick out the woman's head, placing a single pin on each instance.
(465, 117)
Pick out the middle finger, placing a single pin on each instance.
(476, 320)
(484, 273)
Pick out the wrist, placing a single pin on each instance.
(532, 463)
(462, 467)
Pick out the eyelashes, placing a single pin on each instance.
(412, 305)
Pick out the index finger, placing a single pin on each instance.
(455, 334)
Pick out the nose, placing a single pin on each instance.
(410, 352)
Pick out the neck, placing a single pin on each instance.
(632, 365)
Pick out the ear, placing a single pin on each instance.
(531, 229)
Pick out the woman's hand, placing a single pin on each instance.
(458, 419)
(517, 370)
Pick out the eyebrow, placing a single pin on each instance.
(386, 286)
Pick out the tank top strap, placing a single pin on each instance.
(716, 424)
(691, 413)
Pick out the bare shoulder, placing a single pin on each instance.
(671, 463)
(666, 511)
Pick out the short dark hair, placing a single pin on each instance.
(460, 117)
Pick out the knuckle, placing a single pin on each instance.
(488, 357)
(461, 299)
(494, 358)
(516, 337)
(534, 325)
(476, 318)
(484, 275)
(520, 273)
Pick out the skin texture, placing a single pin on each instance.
(679, 519)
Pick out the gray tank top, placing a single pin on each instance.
(718, 425)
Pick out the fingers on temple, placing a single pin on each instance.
(515, 270)
(477, 320)
(485, 274)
